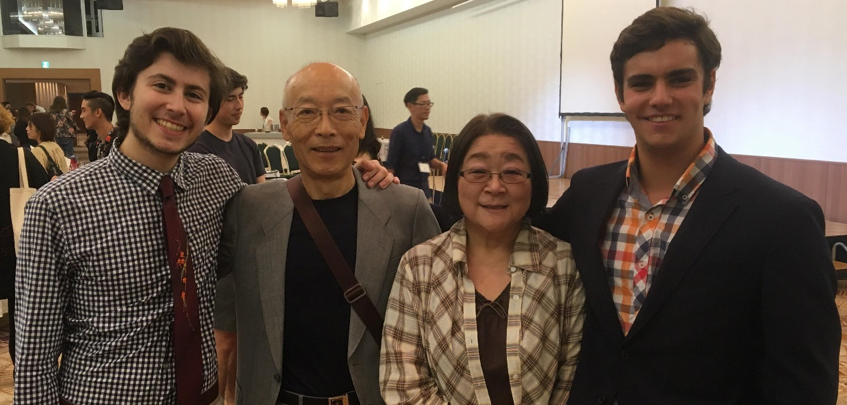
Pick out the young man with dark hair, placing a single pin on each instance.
(117, 262)
(96, 113)
(242, 154)
(410, 154)
(706, 281)
(118, 259)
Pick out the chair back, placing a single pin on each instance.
(293, 164)
(265, 163)
(276, 158)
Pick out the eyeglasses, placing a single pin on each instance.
(426, 104)
(510, 176)
(309, 115)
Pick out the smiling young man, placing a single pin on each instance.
(706, 281)
(117, 262)
(299, 340)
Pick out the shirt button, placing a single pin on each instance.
(685, 197)
(650, 216)
(516, 377)
(516, 297)
(512, 269)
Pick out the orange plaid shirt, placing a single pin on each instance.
(638, 232)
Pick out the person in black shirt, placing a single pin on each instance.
(96, 113)
(242, 154)
(9, 179)
(20, 128)
(299, 341)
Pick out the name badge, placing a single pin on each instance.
(424, 167)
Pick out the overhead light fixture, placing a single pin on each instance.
(303, 3)
(295, 3)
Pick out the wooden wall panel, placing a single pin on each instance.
(92, 75)
(581, 156)
(835, 208)
(808, 177)
(550, 153)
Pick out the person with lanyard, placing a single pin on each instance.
(410, 150)
(706, 280)
(96, 113)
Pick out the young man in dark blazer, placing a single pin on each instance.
(706, 281)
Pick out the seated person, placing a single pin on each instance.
(511, 291)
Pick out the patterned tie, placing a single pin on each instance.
(187, 339)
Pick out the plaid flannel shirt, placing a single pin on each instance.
(430, 350)
(638, 234)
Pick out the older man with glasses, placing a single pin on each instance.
(313, 271)
(410, 153)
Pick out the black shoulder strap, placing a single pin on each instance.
(354, 293)
(52, 163)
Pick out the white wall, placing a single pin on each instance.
(494, 56)
(265, 43)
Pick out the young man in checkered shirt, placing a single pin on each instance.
(706, 281)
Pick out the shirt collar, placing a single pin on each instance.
(148, 179)
(525, 250)
(690, 180)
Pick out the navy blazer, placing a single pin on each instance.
(741, 311)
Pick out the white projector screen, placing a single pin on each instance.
(589, 29)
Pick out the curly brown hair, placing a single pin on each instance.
(6, 120)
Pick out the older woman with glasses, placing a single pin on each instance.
(490, 312)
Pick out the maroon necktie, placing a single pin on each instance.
(187, 339)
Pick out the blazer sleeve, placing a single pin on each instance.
(426, 225)
(556, 219)
(229, 238)
(800, 322)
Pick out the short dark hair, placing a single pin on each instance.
(45, 124)
(495, 124)
(5, 103)
(59, 105)
(236, 80)
(655, 28)
(264, 111)
(413, 94)
(24, 114)
(369, 143)
(30, 103)
(187, 48)
(98, 100)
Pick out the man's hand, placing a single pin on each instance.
(374, 173)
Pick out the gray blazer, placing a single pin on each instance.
(253, 248)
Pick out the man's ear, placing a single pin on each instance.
(125, 99)
(283, 125)
(366, 113)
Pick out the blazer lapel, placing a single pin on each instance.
(271, 254)
(373, 252)
(593, 267)
(710, 210)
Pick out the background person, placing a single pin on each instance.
(65, 125)
(42, 130)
